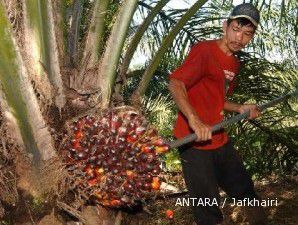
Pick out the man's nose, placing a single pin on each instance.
(239, 36)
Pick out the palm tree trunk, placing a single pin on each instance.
(40, 40)
(21, 110)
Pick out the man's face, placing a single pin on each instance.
(237, 36)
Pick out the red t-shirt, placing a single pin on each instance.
(203, 73)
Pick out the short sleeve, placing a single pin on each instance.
(192, 69)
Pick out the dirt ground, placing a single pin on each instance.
(284, 190)
(153, 212)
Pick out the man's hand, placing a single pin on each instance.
(254, 110)
(202, 130)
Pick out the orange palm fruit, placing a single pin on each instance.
(92, 182)
(162, 149)
(170, 214)
(115, 203)
(155, 183)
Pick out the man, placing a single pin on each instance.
(198, 87)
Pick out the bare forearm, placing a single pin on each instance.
(254, 111)
(231, 106)
(179, 93)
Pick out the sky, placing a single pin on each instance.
(181, 4)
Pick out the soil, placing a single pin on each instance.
(284, 213)
(153, 212)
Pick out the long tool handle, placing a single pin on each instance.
(192, 137)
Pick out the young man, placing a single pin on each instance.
(199, 87)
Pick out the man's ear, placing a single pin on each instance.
(224, 27)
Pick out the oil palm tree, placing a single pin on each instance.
(63, 57)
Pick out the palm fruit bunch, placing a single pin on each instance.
(112, 158)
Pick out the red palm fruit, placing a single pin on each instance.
(90, 120)
(139, 184)
(105, 122)
(122, 131)
(159, 142)
(147, 148)
(147, 186)
(81, 155)
(79, 124)
(140, 130)
(162, 149)
(99, 171)
(72, 150)
(132, 125)
(115, 124)
(128, 187)
(89, 171)
(131, 138)
(148, 178)
(92, 182)
(150, 157)
(155, 183)
(75, 143)
(78, 135)
(143, 157)
(106, 202)
(115, 203)
(170, 214)
(115, 171)
(156, 170)
(130, 173)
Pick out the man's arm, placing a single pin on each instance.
(239, 108)
(179, 94)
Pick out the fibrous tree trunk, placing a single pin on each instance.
(41, 45)
(19, 106)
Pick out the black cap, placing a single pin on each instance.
(248, 11)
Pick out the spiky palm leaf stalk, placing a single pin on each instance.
(41, 44)
(110, 59)
(160, 111)
(19, 103)
(94, 41)
(60, 8)
(75, 30)
(164, 47)
(138, 35)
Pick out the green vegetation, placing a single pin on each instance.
(57, 64)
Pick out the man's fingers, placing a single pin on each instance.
(204, 134)
(199, 135)
(209, 135)
(254, 113)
